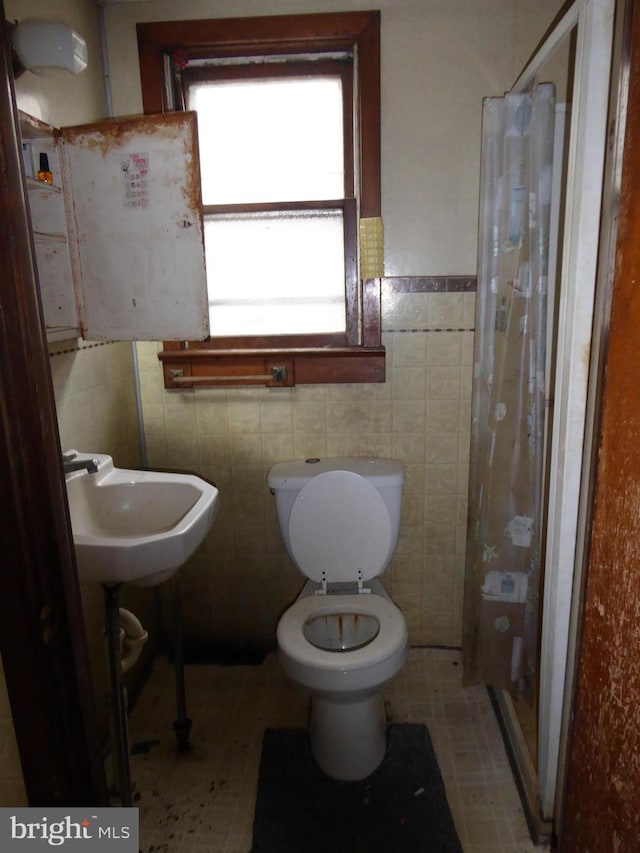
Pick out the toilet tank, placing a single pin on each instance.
(286, 479)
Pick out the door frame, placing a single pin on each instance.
(569, 469)
(600, 806)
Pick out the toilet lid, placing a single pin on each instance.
(339, 528)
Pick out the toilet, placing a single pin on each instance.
(343, 638)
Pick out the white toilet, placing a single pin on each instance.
(343, 638)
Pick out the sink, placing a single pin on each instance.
(133, 526)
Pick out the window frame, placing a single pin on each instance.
(358, 356)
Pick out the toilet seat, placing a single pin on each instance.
(339, 529)
(389, 641)
(340, 632)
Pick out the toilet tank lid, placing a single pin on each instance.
(295, 473)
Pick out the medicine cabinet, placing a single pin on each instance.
(118, 232)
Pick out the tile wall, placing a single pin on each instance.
(235, 587)
(95, 404)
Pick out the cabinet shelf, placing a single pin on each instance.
(41, 186)
(46, 237)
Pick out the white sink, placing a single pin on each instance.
(136, 526)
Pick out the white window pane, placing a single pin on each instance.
(276, 274)
(270, 140)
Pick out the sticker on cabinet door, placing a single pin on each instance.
(135, 174)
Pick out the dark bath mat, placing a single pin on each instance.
(401, 808)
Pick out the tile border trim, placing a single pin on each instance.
(393, 284)
(430, 283)
(64, 347)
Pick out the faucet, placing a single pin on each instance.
(70, 463)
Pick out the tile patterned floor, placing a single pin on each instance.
(202, 801)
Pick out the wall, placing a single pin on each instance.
(439, 59)
(93, 385)
(95, 405)
(235, 587)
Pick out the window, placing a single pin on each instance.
(274, 169)
(289, 135)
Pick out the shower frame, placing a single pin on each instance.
(585, 268)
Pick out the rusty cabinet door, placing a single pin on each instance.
(136, 238)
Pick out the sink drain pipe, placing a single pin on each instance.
(132, 639)
(120, 733)
(125, 639)
(182, 723)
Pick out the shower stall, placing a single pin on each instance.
(542, 254)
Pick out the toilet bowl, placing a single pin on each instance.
(343, 638)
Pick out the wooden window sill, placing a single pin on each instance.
(192, 368)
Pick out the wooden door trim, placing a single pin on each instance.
(602, 802)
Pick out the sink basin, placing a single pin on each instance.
(134, 526)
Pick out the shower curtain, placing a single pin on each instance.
(503, 561)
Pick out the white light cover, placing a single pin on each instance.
(49, 48)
